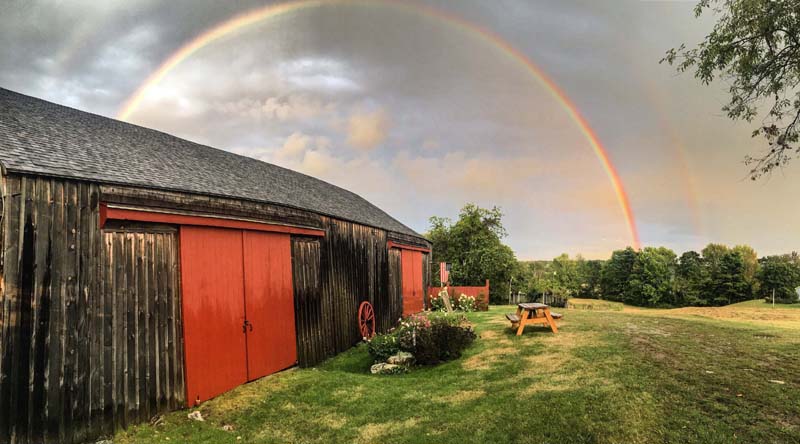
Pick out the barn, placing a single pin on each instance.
(143, 273)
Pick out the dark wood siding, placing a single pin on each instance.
(90, 320)
(332, 276)
(67, 314)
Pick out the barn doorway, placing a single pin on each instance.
(413, 291)
(238, 307)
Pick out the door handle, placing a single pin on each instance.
(244, 326)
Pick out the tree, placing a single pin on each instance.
(565, 275)
(473, 244)
(652, 276)
(781, 274)
(690, 280)
(755, 48)
(615, 274)
(750, 258)
(589, 278)
(712, 256)
(727, 282)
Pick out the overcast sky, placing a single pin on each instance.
(420, 116)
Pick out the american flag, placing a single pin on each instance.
(444, 272)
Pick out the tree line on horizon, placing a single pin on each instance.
(658, 277)
(650, 277)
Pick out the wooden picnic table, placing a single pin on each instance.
(529, 313)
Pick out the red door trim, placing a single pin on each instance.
(107, 212)
(392, 244)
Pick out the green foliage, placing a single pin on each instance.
(589, 278)
(690, 276)
(435, 337)
(650, 282)
(465, 303)
(460, 303)
(750, 258)
(656, 277)
(781, 274)
(382, 346)
(473, 244)
(615, 274)
(563, 276)
(754, 48)
(727, 282)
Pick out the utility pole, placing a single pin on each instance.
(773, 298)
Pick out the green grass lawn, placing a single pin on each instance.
(607, 377)
(760, 303)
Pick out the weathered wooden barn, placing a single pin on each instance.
(143, 273)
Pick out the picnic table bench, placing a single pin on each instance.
(533, 313)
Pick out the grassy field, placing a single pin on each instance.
(630, 376)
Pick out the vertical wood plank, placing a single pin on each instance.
(69, 330)
(131, 309)
(109, 257)
(120, 292)
(42, 300)
(54, 410)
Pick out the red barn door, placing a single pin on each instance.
(238, 308)
(213, 311)
(413, 293)
(269, 303)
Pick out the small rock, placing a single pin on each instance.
(401, 358)
(709, 372)
(196, 415)
(227, 428)
(385, 369)
(777, 381)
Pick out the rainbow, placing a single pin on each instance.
(271, 11)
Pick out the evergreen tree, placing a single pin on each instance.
(728, 284)
(691, 280)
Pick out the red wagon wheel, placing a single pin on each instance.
(366, 320)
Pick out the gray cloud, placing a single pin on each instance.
(442, 115)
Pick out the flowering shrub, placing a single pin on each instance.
(431, 337)
(436, 303)
(415, 321)
(460, 303)
(465, 303)
(442, 337)
(383, 346)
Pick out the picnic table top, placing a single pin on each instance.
(532, 305)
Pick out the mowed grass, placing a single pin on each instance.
(594, 304)
(633, 376)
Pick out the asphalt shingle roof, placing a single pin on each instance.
(40, 137)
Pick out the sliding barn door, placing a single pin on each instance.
(413, 293)
(269, 303)
(213, 309)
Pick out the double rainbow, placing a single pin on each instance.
(271, 11)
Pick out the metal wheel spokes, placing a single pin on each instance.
(366, 320)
